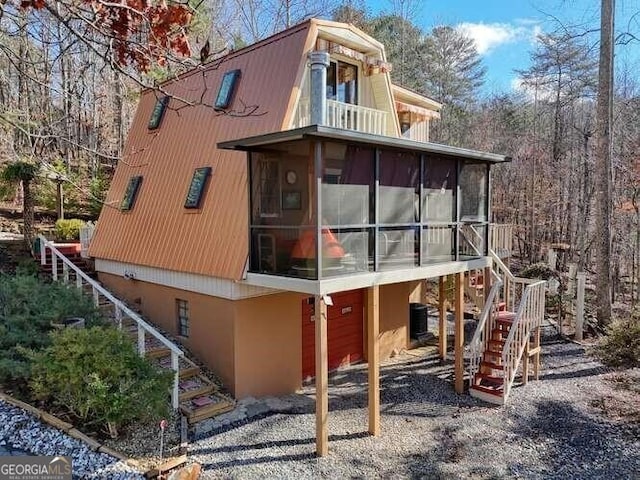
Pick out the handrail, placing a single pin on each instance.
(528, 317)
(344, 115)
(479, 340)
(120, 308)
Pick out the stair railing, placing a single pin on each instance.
(528, 317)
(120, 309)
(486, 323)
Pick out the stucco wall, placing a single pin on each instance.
(268, 345)
(210, 320)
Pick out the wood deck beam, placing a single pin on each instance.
(373, 358)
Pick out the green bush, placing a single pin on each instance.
(620, 347)
(28, 307)
(98, 375)
(68, 229)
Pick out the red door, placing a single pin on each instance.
(344, 331)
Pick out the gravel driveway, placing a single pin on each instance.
(548, 430)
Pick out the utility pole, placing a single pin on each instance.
(604, 115)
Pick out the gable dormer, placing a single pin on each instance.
(358, 86)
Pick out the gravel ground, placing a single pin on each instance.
(23, 433)
(549, 429)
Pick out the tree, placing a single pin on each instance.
(403, 43)
(353, 12)
(23, 173)
(603, 163)
(453, 73)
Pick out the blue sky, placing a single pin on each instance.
(505, 30)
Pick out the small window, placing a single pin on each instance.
(196, 189)
(227, 90)
(158, 112)
(131, 193)
(182, 310)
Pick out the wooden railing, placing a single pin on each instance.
(528, 318)
(486, 323)
(346, 116)
(120, 310)
(418, 131)
(501, 239)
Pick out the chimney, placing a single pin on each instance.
(319, 63)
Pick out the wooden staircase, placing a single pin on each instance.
(194, 394)
(505, 341)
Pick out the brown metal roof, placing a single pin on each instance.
(159, 231)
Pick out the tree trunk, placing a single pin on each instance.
(27, 212)
(603, 165)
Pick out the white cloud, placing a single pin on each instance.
(488, 36)
(543, 91)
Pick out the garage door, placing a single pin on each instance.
(344, 331)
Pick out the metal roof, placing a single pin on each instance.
(211, 240)
(320, 132)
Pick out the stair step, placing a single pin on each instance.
(487, 394)
(491, 365)
(492, 379)
(157, 352)
(188, 372)
(502, 306)
(504, 316)
(207, 406)
(492, 354)
(197, 392)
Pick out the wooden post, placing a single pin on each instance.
(536, 365)
(322, 378)
(486, 283)
(525, 363)
(373, 358)
(59, 199)
(571, 286)
(459, 334)
(442, 319)
(552, 258)
(580, 306)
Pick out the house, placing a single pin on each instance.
(280, 208)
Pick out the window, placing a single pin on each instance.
(182, 309)
(196, 188)
(158, 112)
(130, 193)
(269, 195)
(342, 82)
(227, 90)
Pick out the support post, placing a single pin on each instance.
(373, 358)
(141, 341)
(459, 334)
(65, 273)
(580, 306)
(54, 266)
(43, 252)
(442, 319)
(571, 286)
(322, 378)
(175, 393)
(525, 363)
(486, 283)
(536, 365)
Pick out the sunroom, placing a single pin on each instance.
(331, 208)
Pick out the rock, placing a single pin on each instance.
(191, 472)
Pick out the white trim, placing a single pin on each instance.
(363, 280)
(190, 282)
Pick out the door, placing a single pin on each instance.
(344, 331)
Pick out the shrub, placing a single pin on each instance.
(68, 230)
(98, 375)
(620, 347)
(28, 307)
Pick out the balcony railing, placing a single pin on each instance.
(418, 132)
(346, 116)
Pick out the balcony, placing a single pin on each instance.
(345, 116)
